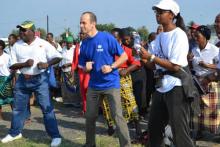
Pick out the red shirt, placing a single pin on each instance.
(75, 57)
(131, 60)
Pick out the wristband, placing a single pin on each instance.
(152, 57)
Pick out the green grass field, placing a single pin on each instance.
(34, 134)
(102, 141)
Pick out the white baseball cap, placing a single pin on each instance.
(168, 5)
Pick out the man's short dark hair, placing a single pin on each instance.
(13, 36)
(2, 43)
(91, 15)
(51, 34)
(119, 31)
(126, 32)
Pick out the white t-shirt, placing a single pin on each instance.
(8, 50)
(209, 55)
(151, 46)
(218, 66)
(39, 50)
(59, 48)
(5, 62)
(214, 40)
(67, 55)
(174, 47)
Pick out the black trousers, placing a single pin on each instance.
(139, 87)
(150, 86)
(174, 108)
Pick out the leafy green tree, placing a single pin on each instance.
(16, 32)
(143, 31)
(191, 23)
(43, 33)
(105, 27)
(212, 27)
(131, 29)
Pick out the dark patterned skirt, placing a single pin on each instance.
(69, 82)
(6, 92)
(70, 88)
(209, 119)
(129, 106)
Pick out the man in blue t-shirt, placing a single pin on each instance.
(97, 56)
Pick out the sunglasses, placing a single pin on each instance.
(22, 30)
(160, 12)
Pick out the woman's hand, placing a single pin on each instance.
(144, 54)
(207, 65)
(123, 72)
(203, 64)
(106, 69)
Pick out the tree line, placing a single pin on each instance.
(143, 31)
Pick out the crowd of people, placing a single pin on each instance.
(165, 77)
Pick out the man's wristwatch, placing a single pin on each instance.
(152, 57)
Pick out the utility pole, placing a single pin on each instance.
(47, 24)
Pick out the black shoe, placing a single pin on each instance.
(100, 111)
(111, 131)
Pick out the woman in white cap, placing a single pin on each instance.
(169, 103)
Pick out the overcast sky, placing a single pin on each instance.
(66, 13)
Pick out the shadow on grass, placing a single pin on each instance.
(72, 112)
(68, 117)
(7, 116)
(34, 138)
(4, 131)
(74, 125)
(38, 136)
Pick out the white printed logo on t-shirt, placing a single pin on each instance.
(99, 48)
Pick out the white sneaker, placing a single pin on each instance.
(9, 138)
(55, 142)
(59, 99)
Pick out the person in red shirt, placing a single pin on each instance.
(130, 109)
(138, 76)
(83, 77)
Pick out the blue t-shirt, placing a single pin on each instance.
(101, 49)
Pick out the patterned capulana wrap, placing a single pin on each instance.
(209, 119)
(6, 92)
(129, 106)
(70, 83)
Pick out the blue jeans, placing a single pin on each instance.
(22, 92)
